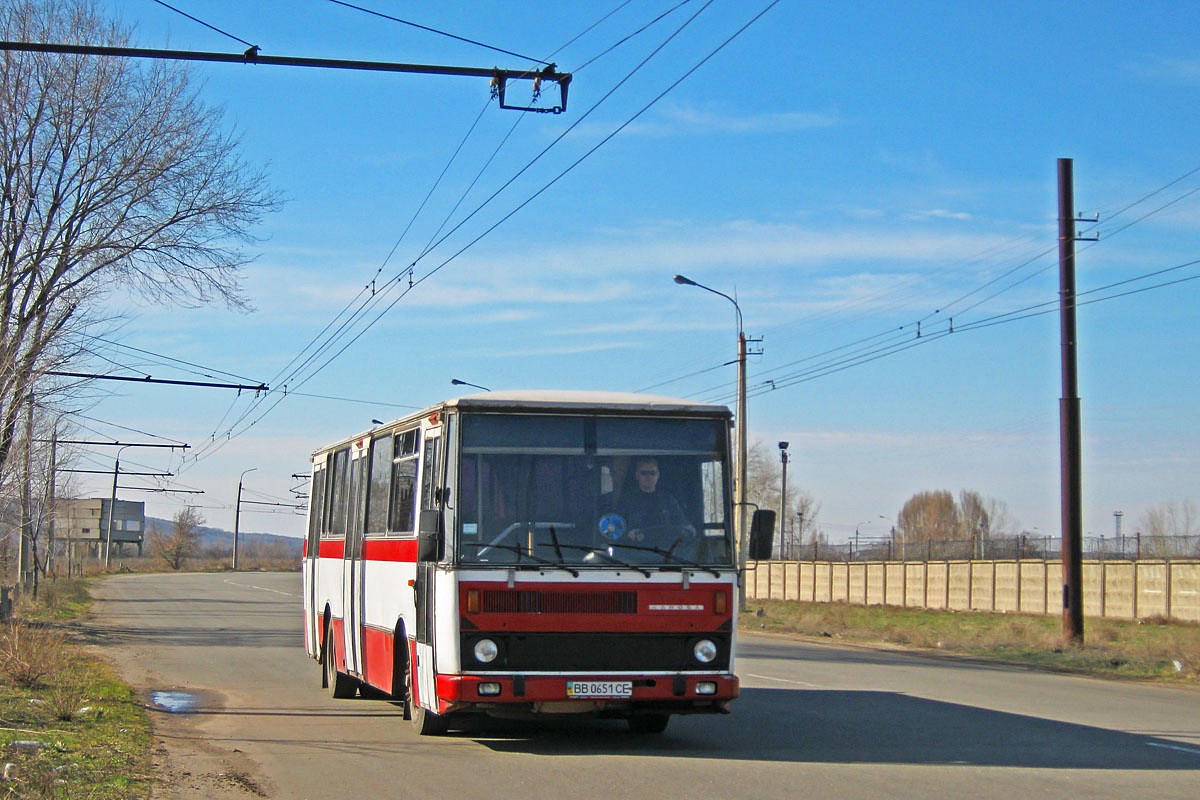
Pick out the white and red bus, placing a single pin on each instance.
(528, 553)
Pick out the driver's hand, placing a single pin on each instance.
(635, 535)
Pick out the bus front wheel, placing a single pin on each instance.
(424, 721)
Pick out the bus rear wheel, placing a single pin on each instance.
(339, 684)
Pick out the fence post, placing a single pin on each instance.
(925, 584)
(1137, 567)
(1045, 586)
(1103, 587)
(1168, 589)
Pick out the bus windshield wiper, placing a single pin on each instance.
(521, 553)
(600, 551)
(668, 555)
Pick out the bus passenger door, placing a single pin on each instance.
(427, 557)
(312, 560)
(352, 565)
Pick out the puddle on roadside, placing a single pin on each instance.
(175, 702)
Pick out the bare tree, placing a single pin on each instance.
(929, 517)
(975, 523)
(1171, 529)
(182, 541)
(113, 175)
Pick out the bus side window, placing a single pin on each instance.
(379, 484)
(338, 494)
(316, 508)
(404, 479)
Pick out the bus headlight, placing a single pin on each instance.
(705, 651)
(486, 651)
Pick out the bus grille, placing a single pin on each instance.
(535, 602)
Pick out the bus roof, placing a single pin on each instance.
(549, 400)
(567, 400)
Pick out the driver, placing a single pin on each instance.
(644, 507)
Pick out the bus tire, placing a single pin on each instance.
(339, 684)
(424, 721)
(649, 723)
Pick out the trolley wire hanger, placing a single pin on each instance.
(499, 77)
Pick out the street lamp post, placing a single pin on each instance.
(457, 382)
(237, 516)
(112, 509)
(783, 515)
(740, 489)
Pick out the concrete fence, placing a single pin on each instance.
(1119, 589)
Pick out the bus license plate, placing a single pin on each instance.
(605, 689)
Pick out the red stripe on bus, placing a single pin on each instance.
(332, 548)
(379, 658)
(390, 550)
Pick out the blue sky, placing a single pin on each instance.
(846, 170)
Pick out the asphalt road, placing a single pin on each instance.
(813, 721)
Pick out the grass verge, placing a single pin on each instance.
(1146, 649)
(76, 731)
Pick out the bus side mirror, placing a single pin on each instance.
(429, 536)
(762, 534)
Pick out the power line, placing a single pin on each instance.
(438, 32)
(205, 24)
(510, 214)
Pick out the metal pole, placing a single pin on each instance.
(1070, 436)
(237, 517)
(112, 512)
(743, 528)
(783, 515)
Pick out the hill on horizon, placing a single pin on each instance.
(220, 539)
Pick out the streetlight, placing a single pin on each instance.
(112, 508)
(740, 489)
(237, 516)
(783, 515)
(457, 382)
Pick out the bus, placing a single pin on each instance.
(528, 554)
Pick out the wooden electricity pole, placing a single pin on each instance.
(1068, 416)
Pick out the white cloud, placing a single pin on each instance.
(686, 121)
(1170, 69)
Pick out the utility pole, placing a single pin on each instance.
(1070, 436)
(237, 517)
(783, 515)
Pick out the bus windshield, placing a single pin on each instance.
(592, 491)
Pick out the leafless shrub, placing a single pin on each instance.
(29, 653)
(67, 694)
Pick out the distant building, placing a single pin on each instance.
(84, 524)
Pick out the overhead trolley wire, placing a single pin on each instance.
(428, 274)
(391, 286)
(435, 30)
(429, 248)
(205, 24)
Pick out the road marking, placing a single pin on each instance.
(1182, 750)
(782, 680)
(261, 588)
(1191, 750)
